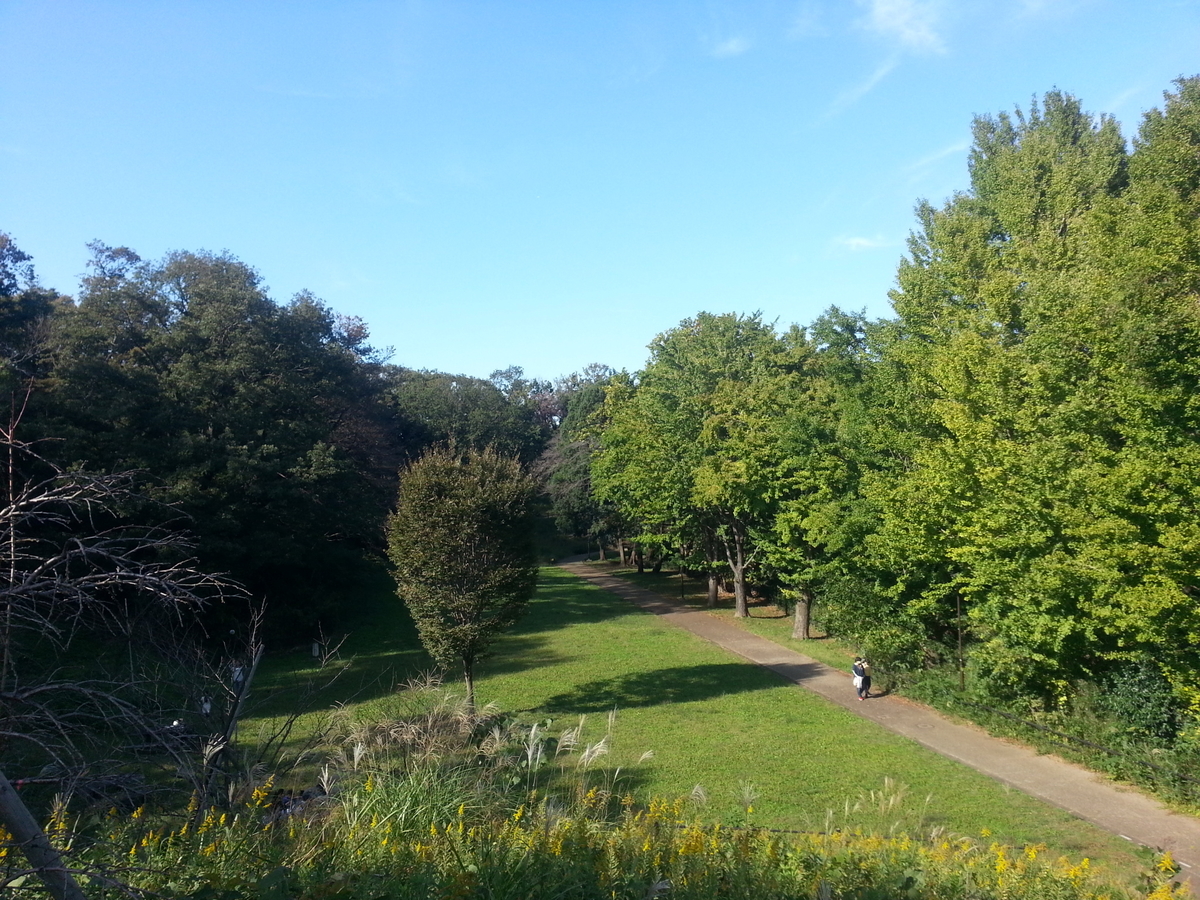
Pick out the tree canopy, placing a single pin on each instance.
(461, 542)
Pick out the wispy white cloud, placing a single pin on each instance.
(911, 24)
(734, 46)
(807, 22)
(853, 94)
(1116, 106)
(935, 156)
(857, 243)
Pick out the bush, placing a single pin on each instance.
(1139, 696)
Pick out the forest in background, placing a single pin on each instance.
(999, 481)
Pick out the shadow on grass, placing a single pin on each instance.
(694, 594)
(681, 684)
(564, 599)
(520, 653)
(382, 648)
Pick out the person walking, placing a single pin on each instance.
(864, 691)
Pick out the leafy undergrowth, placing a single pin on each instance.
(440, 802)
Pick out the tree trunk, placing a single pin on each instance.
(640, 558)
(241, 689)
(714, 584)
(621, 550)
(18, 821)
(600, 545)
(803, 612)
(736, 550)
(469, 679)
(741, 609)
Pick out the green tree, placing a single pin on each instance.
(1000, 397)
(461, 542)
(436, 407)
(826, 442)
(264, 423)
(565, 465)
(1043, 366)
(685, 451)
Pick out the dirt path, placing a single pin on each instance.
(1123, 811)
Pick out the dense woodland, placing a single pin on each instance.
(1001, 479)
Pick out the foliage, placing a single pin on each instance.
(565, 466)
(685, 452)
(437, 408)
(461, 541)
(661, 850)
(261, 422)
(1139, 695)
(1032, 389)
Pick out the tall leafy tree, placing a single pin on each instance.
(685, 451)
(461, 542)
(436, 408)
(262, 422)
(826, 442)
(1044, 354)
(565, 466)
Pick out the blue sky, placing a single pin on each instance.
(542, 184)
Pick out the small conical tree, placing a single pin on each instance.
(461, 541)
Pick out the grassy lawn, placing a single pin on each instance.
(709, 718)
(766, 620)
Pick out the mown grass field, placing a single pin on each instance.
(766, 620)
(710, 719)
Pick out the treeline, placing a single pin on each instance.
(271, 433)
(1002, 478)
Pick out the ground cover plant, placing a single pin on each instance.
(387, 815)
(374, 841)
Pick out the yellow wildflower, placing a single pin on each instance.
(259, 797)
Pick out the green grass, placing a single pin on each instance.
(710, 719)
(766, 619)
(714, 720)
(940, 691)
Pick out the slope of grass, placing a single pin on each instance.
(743, 734)
(1079, 734)
(760, 750)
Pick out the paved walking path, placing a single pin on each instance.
(1124, 812)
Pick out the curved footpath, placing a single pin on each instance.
(1125, 812)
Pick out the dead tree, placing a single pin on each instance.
(72, 565)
